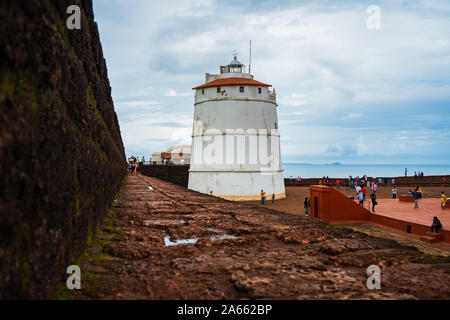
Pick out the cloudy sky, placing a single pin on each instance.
(346, 92)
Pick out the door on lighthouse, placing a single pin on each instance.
(316, 207)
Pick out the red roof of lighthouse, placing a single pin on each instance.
(232, 82)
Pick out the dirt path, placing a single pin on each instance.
(269, 254)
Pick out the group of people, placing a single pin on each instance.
(361, 195)
(417, 194)
(134, 164)
(263, 197)
(352, 183)
(418, 175)
(297, 180)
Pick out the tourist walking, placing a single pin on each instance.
(363, 191)
(394, 193)
(263, 197)
(211, 193)
(133, 164)
(306, 205)
(406, 172)
(436, 225)
(417, 196)
(374, 200)
(273, 198)
(360, 197)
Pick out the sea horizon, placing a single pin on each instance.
(341, 170)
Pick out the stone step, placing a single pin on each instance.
(432, 237)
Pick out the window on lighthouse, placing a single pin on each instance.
(218, 89)
(259, 90)
(237, 69)
(241, 89)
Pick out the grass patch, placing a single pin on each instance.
(62, 293)
(111, 229)
(429, 259)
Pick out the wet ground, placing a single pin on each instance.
(173, 243)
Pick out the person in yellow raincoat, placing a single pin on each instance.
(444, 199)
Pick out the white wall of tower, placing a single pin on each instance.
(227, 126)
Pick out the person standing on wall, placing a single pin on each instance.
(263, 197)
(273, 198)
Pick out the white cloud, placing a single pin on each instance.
(174, 93)
(330, 72)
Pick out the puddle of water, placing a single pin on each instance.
(169, 243)
(224, 237)
(163, 222)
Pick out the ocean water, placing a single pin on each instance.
(371, 170)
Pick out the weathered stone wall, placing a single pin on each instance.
(175, 174)
(61, 153)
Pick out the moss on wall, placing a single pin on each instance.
(61, 154)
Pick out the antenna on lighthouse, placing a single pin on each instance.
(250, 60)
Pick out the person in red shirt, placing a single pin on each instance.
(363, 191)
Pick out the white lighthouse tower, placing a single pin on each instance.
(235, 137)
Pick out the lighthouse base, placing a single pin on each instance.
(238, 185)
